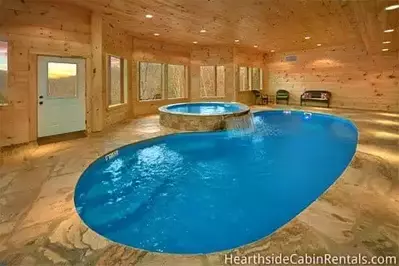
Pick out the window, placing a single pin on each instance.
(161, 81)
(243, 78)
(255, 78)
(62, 81)
(150, 81)
(250, 78)
(117, 80)
(176, 81)
(220, 78)
(212, 81)
(3, 70)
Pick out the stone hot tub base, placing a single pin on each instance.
(207, 116)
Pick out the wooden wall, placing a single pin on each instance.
(212, 56)
(34, 29)
(31, 30)
(116, 42)
(249, 58)
(158, 52)
(355, 79)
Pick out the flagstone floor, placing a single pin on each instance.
(39, 225)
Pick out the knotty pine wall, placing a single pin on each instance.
(212, 56)
(58, 30)
(355, 79)
(156, 52)
(116, 42)
(249, 58)
(32, 30)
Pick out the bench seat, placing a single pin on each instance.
(316, 95)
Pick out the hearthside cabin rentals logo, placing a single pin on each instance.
(295, 259)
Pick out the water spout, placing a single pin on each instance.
(240, 125)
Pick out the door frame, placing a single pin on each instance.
(34, 90)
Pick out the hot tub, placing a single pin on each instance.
(201, 116)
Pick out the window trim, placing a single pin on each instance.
(123, 81)
(6, 102)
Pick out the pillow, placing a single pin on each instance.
(306, 95)
(324, 96)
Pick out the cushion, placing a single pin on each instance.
(324, 96)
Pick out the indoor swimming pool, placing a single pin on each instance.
(204, 192)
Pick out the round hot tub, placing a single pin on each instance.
(201, 116)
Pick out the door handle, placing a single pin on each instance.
(40, 103)
(41, 97)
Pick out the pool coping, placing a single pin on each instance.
(199, 122)
(243, 109)
(248, 245)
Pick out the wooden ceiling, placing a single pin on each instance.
(279, 25)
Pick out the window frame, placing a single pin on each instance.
(76, 90)
(164, 81)
(184, 92)
(246, 87)
(249, 78)
(124, 81)
(215, 82)
(4, 101)
(253, 69)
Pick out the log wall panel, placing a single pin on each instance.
(249, 58)
(358, 76)
(97, 91)
(118, 43)
(152, 51)
(355, 79)
(212, 56)
(31, 29)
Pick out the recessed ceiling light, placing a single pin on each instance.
(256, 46)
(389, 30)
(392, 7)
(236, 41)
(385, 49)
(195, 42)
(386, 42)
(272, 51)
(156, 34)
(307, 37)
(319, 44)
(148, 16)
(203, 30)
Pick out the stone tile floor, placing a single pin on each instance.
(39, 226)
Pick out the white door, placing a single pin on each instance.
(61, 95)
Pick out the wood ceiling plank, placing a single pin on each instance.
(272, 24)
(372, 19)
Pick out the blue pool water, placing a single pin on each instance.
(193, 193)
(205, 108)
